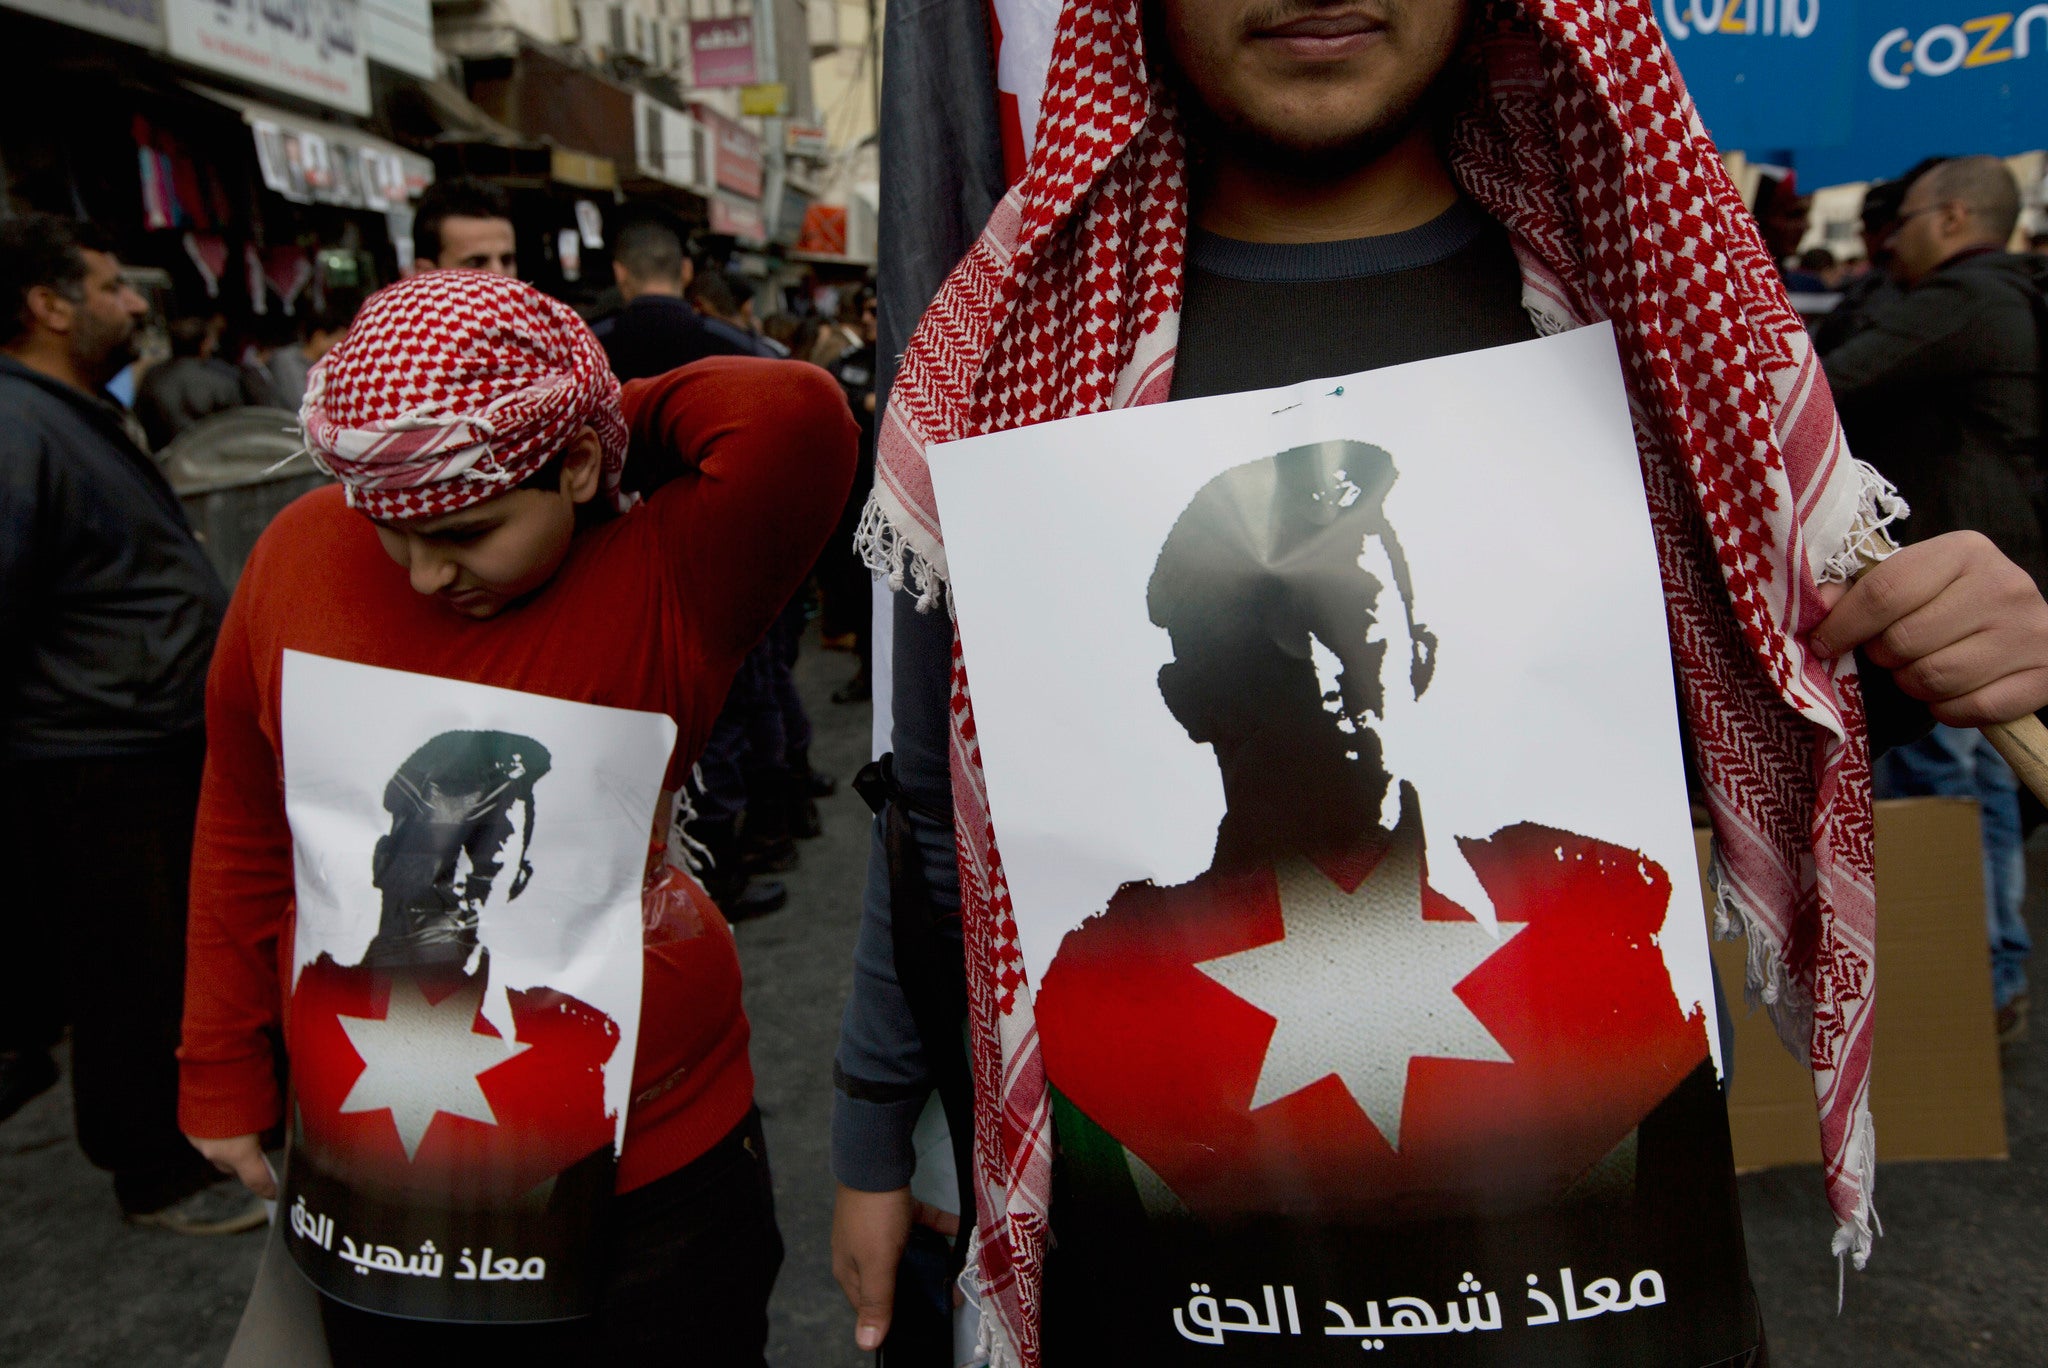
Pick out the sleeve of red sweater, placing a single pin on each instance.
(241, 891)
(767, 450)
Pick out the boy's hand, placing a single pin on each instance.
(242, 1157)
(869, 1231)
(1960, 627)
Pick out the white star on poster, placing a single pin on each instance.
(1360, 984)
(424, 1058)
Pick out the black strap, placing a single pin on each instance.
(930, 970)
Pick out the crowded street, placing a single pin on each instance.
(1022, 684)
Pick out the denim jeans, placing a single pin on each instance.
(1950, 762)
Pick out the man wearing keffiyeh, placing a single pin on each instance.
(1233, 194)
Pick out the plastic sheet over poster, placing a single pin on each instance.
(1333, 756)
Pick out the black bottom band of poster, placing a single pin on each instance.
(1646, 1272)
(528, 1263)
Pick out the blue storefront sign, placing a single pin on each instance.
(1864, 89)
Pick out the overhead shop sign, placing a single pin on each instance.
(132, 21)
(736, 159)
(309, 48)
(722, 52)
(400, 34)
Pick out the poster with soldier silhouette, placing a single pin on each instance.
(468, 865)
(1333, 756)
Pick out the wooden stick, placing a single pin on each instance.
(2024, 741)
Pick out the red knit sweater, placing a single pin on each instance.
(651, 611)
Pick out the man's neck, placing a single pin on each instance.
(56, 364)
(1405, 187)
(660, 289)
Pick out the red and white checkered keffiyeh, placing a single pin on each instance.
(1575, 132)
(452, 387)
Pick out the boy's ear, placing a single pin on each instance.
(583, 471)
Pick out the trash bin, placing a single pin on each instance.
(233, 472)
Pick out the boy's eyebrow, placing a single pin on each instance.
(454, 522)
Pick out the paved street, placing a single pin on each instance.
(1960, 1279)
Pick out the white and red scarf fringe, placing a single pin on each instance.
(1576, 133)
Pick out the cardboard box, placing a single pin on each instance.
(1935, 1090)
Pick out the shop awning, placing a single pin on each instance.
(311, 161)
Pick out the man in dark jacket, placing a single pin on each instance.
(108, 610)
(658, 329)
(1941, 391)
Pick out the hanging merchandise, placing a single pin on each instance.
(569, 247)
(289, 273)
(590, 222)
(252, 266)
(209, 255)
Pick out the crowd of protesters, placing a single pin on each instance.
(1932, 343)
(750, 441)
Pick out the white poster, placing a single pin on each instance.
(310, 48)
(467, 973)
(1333, 757)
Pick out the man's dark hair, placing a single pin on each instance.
(1817, 259)
(335, 314)
(46, 250)
(649, 250)
(460, 197)
(189, 334)
(712, 292)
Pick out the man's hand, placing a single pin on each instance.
(1960, 627)
(242, 1157)
(869, 1230)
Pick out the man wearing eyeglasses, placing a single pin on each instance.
(1942, 392)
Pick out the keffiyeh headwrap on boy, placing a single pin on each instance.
(1574, 131)
(451, 388)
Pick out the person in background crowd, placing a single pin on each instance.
(844, 335)
(657, 329)
(782, 328)
(1782, 215)
(726, 303)
(523, 570)
(1941, 391)
(1817, 272)
(849, 599)
(108, 610)
(265, 336)
(737, 820)
(195, 383)
(318, 332)
(1880, 220)
(465, 224)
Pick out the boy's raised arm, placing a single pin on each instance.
(767, 450)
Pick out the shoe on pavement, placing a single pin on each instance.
(775, 856)
(24, 1076)
(755, 899)
(2012, 1021)
(223, 1208)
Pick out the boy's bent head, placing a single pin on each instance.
(468, 415)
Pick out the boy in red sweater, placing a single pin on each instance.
(450, 708)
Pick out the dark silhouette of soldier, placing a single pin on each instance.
(461, 812)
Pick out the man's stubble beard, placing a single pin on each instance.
(1324, 155)
(100, 352)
